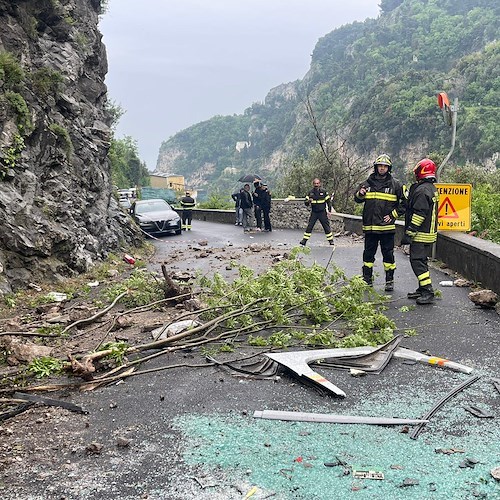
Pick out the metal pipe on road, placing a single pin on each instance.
(298, 416)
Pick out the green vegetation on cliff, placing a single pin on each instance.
(127, 170)
(373, 86)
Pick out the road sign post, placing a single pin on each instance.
(450, 118)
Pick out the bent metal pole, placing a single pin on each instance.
(298, 416)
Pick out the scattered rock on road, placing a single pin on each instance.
(484, 298)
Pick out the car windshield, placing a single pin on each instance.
(152, 206)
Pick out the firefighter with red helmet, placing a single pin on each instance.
(421, 227)
(383, 197)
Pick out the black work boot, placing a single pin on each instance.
(389, 280)
(368, 275)
(427, 297)
(331, 242)
(303, 242)
(414, 295)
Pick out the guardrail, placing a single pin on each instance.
(476, 259)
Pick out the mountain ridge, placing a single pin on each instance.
(374, 83)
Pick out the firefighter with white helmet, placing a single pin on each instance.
(421, 227)
(383, 197)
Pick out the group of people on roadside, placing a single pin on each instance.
(385, 199)
(250, 205)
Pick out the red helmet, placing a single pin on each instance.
(425, 169)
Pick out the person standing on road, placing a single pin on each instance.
(246, 204)
(383, 198)
(237, 208)
(258, 196)
(319, 201)
(421, 227)
(187, 205)
(266, 208)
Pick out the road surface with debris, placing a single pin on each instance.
(190, 433)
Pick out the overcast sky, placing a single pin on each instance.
(174, 63)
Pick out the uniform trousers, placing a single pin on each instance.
(323, 218)
(386, 246)
(419, 252)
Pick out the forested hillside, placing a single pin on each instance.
(371, 87)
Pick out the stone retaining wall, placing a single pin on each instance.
(292, 214)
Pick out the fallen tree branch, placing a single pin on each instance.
(30, 334)
(82, 385)
(95, 316)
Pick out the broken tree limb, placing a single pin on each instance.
(95, 316)
(106, 380)
(192, 313)
(49, 402)
(16, 411)
(30, 334)
(198, 329)
(137, 310)
(170, 287)
(11, 401)
(85, 367)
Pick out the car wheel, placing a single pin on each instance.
(178, 231)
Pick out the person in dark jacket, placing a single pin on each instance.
(246, 203)
(266, 207)
(258, 196)
(383, 198)
(237, 208)
(421, 227)
(319, 201)
(187, 205)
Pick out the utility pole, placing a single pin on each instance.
(450, 118)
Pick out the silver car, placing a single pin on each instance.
(156, 216)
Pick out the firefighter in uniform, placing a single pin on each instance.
(383, 197)
(319, 200)
(187, 205)
(421, 227)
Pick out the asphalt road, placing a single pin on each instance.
(192, 432)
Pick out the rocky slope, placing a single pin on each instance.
(57, 211)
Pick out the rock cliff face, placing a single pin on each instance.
(57, 212)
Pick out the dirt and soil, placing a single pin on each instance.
(41, 436)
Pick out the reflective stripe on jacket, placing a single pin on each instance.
(319, 199)
(187, 203)
(384, 196)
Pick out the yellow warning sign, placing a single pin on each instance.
(454, 207)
